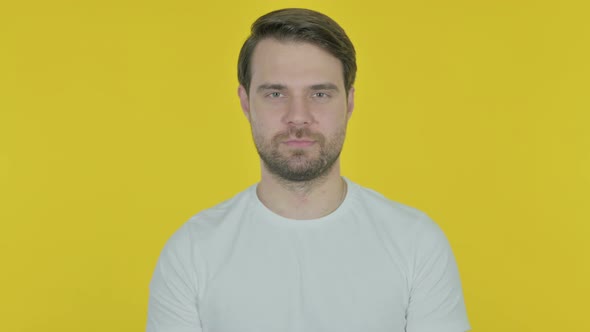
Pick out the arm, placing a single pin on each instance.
(173, 289)
(436, 298)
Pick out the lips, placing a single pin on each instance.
(299, 138)
(299, 142)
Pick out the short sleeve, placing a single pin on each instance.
(173, 289)
(436, 298)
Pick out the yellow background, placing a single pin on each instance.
(119, 120)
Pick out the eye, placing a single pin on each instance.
(275, 94)
(321, 95)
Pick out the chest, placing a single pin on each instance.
(342, 281)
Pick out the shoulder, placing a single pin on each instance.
(390, 213)
(220, 214)
(419, 246)
(411, 232)
(207, 223)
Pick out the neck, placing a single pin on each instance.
(302, 200)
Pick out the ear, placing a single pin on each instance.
(350, 103)
(244, 101)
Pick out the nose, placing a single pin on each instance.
(298, 113)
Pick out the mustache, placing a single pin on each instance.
(299, 133)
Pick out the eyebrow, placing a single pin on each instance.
(324, 86)
(263, 87)
(281, 87)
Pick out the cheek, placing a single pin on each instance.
(266, 121)
(262, 130)
(333, 121)
(262, 112)
(259, 126)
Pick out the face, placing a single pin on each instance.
(297, 107)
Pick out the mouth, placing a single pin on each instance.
(299, 143)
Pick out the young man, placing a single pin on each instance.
(305, 249)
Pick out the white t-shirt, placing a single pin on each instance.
(372, 265)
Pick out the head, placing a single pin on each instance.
(299, 25)
(296, 74)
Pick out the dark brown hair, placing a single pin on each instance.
(303, 25)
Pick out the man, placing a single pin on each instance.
(305, 249)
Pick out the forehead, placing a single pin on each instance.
(294, 63)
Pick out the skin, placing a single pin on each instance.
(298, 111)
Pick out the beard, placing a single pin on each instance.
(300, 165)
